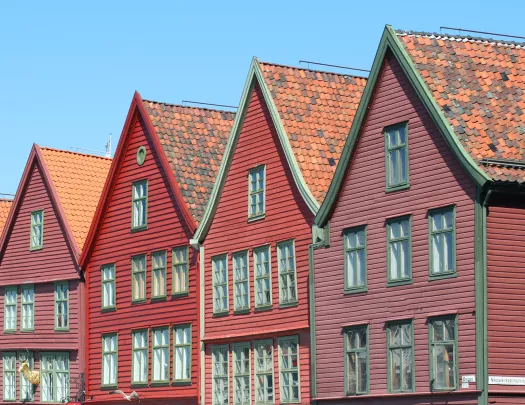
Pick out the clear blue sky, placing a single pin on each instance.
(68, 70)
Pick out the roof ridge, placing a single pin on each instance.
(470, 38)
(6, 199)
(188, 106)
(313, 70)
(74, 153)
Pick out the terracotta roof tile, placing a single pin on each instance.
(317, 109)
(79, 180)
(194, 140)
(5, 206)
(480, 85)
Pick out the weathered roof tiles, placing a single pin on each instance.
(5, 206)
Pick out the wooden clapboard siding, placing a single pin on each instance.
(436, 180)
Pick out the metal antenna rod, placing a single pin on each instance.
(11, 195)
(481, 32)
(336, 66)
(216, 105)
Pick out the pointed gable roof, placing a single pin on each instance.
(5, 207)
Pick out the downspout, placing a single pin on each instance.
(202, 353)
(313, 347)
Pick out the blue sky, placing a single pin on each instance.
(68, 70)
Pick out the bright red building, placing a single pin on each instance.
(256, 232)
(141, 272)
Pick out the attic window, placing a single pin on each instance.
(37, 230)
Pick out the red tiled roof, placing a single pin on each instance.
(317, 110)
(194, 140)
(479, 84)
(5, 206)
(79, 180)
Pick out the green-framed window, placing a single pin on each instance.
(220, 283)
(443, 353)
(287, 272)
(54, 377)
(263, 278)
(396, 151)
(10, 311)
(27, 298)
(241, 281)
(357, 360)
(37, 230)
(27, 389)
(180, 270)
(109, 286)
(9, 377)
(355, 259)
(400, 344)
(264, 379)
(399, 246)
(138, 276)
(241, 374)
(109, 360)
(442, 235)
(158, 274)
(139, 357)
(220, 372)
(62, 306)
(182, 353)
(139, 215)
(160, 353)
(289, 376)
(257, 191)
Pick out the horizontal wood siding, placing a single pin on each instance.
(436, 180)
(117, 244)
(505, 288)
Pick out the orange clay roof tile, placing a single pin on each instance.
(5, 206)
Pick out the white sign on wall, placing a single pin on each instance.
(468, 379)
(504, 380)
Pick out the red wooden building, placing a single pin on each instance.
(141, 272)
(41, 287)
(255, 233)
(418, 283)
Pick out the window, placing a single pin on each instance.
(399, 250)
(161, 355)
(10, 314)
(289, 369)
(158, 276)
(256, 194)
(241, 374)
(263, 283)
(264, 372)
(62, 306)
(220, 283)
(355, 259)
(443, 357)
(356, 363)
(180, 270)
(54, 377)
(139, 218)
(442, 242)
(182, 353)
(241, 282)
(109, 295)
(138, 270)
(27, 390)
(220, 375)
(140, 357)
(287, 282)
(400, 343)
(9, 360)
(28, 307)
(37, 230)
(396, 157)
(109, 360)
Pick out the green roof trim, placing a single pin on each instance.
(390, 42)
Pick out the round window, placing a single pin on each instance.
(141, 155)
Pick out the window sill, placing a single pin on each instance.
(159, 384)
(256, 217)
(181, 382)
(289, 305)
(108, 309)
(443, 276)
(264, 308)
(139, 385)
(61, 329)
(397, 188)
(9, 331)
(36, 248)
(399, 282)
(32, 330)
(159, 298)
(359, 290)
(109, 387)
(243, 311)
(180, 294)
(139, 301)
(221, 314)
(139, 228)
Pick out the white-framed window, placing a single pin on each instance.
(182, 353)
(241, 374)
(140, 356)
(139, 217)
(27, 389)
(37, 230)
(62, 305)
(355, 258)
(264, 380)
(262, 279)
(241, 281)
(28, 307)
(180, 270)
(287, 272)
(257, 191)
(54, 377)
(10, 313)
(161, 354)
(289, 376)
(109, 294)
(9, 362)
(220, 370)
(158, 274)
(220, 283)
(110, 359)
(138, 274)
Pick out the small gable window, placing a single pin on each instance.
(139, 214)
(37, 230)
(396, 143)
(257, 192)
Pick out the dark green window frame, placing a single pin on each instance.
(14, 310)
(144, 333)
(158, 274)
(36, 240)
(179, 347)
(256, 193)
(138, 277)
(352, 252)
(109, 286)
(54, 373)
(357, 352)
(62, 306)
(139, 205)
(442, 234)
(110, 353)
(180, 270)
(394, 155)
(27, 303)
(27, 389)
(163, 347)
(402, 347)
(399, 241)
(9, 358)
(438, 344)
